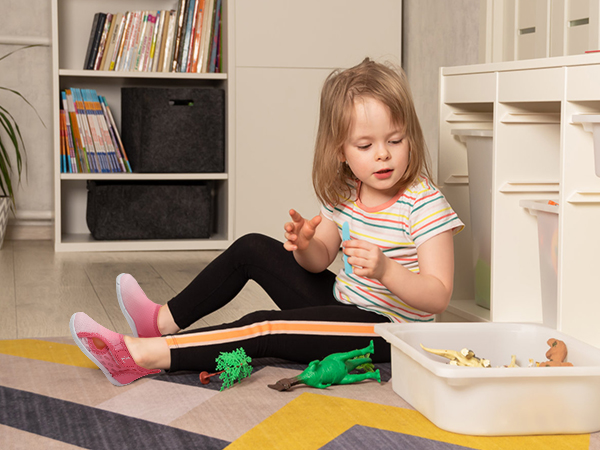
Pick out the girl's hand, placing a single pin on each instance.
(367, 259)
(299, 232)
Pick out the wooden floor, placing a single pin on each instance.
(41, 289)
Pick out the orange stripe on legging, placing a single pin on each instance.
(275, 327)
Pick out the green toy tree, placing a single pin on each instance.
(232, 366)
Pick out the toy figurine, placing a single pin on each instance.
(333, 369)
(465, 357)
(556, 355)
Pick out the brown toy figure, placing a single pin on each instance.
(556, 355)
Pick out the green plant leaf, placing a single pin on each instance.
(14, 144)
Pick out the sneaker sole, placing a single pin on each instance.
(124, 310)
(89, 355)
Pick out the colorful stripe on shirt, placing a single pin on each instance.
(398, 228)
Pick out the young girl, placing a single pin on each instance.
(369, 170)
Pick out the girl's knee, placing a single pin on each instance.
(256, 244)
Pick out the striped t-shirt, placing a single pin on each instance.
(398, 227)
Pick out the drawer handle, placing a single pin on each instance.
(584, 197)
(524, 187)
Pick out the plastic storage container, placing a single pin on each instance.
(495, 401)
(479, 158)
(547, 218)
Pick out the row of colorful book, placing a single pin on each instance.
(90, 141)
(184, 40)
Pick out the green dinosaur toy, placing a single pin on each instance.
(333, 369)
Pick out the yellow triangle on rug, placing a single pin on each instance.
(42, 350)
(312, 420)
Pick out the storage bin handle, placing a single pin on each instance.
(184, 102)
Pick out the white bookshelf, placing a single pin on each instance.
(543, 115)
(71, 24)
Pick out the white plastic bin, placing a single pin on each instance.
(547, 219)
(479, 158)
(495, 401)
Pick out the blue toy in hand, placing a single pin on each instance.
(346, 237)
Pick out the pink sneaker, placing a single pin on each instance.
(141, 312)
(114, 360)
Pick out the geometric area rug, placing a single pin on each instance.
(53, 397)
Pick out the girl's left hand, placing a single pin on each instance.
(367, 259)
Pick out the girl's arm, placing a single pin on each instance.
(315, 242)
(428, 291)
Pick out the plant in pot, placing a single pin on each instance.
(12, 155)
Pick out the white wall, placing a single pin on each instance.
(437, 33)
(30, 73)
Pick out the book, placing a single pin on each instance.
(216, 40)
(132, 44)
(78, 140)
(197, 6)
(102, 44)
(96, 130)
(107, 41)
(85, 132)
(139, 42)
(182, 9)
(113, 162)
(168, 56)
(166, 18)
(150, 40)
(113, 125)
(156, 37)
(206, 29)
(114, 37)
(120, 59)
(63, 143)
(116, 155)
(185, 51)
(197, 35)
(94, 40)
(213, 27)
(73, 163)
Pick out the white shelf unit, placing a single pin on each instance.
(542, 114)
(71, 24)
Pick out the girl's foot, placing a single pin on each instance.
(141, 312)
(107, 350)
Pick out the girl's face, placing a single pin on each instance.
(376, 150)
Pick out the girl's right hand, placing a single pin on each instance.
(300, 231)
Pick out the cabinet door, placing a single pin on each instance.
(276, 122)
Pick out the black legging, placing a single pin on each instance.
(302, 296)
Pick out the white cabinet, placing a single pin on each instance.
(541, 114)
(284, 51)
(514, 30)
(71, 25)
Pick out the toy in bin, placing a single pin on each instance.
(531, 398)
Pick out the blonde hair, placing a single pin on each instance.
(332, 179)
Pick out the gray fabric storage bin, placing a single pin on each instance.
(174, 130)
(149, 210)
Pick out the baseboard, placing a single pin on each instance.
(31, 225)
